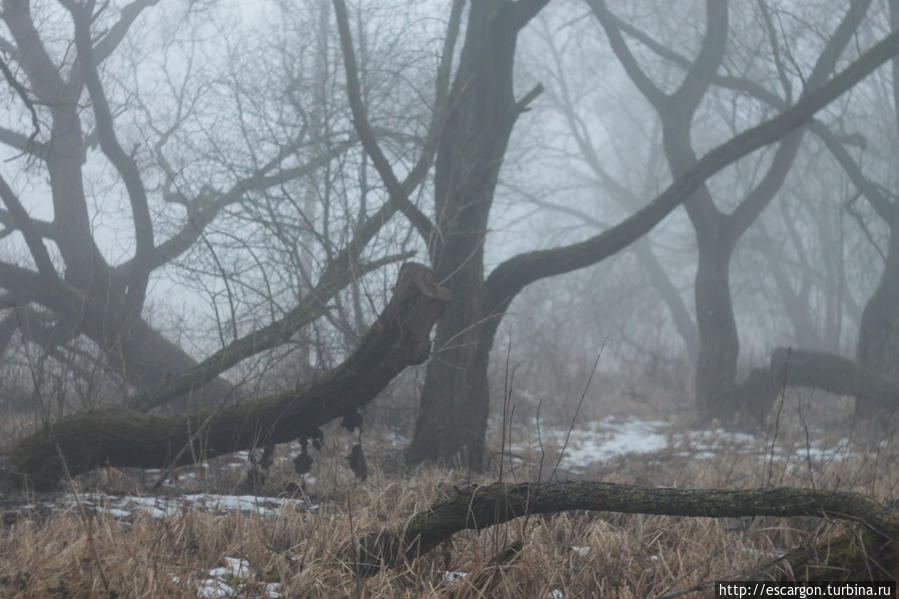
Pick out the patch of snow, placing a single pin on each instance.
(454, 576)
(213, 589)
(239, 568)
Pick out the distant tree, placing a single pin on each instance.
(718, 230)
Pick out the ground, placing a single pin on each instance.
(195, 534)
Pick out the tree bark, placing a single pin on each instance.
(128, 438)
(455, 397)
(479, 507)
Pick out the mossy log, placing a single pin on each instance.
(860, 555)
(129, 438)
(479, 507)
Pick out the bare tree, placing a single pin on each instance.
(206, 198)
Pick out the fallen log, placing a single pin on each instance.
(834, 374)
(478, 507)
(827, 372)
(124, 437)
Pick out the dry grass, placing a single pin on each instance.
(77, 552)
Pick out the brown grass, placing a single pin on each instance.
(77, 552)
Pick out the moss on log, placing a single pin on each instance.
(479, 507)
(129, 438)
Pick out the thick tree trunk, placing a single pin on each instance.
(719, 346)
(121, 437)
(513, 275)
(818, 370)
(455, 398)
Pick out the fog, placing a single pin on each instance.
(211, 201)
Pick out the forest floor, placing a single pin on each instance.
(199, 532)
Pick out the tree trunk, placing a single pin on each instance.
(819, 370)
(127, 438)
(716, 367)
(455, 398)
(878, 338)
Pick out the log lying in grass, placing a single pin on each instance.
(128, 438)
(817, 370)
(479, 507)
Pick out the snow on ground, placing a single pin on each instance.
(613, 436)
(163, 506)
(233, 580)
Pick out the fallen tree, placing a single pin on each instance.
(790, 367)
(125, 437)
(478, 507)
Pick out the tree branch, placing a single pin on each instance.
(399, 193)
(478, 507)
(27, 227)
(124, 164)
(513, 275)
(118, 437)
(609, 23)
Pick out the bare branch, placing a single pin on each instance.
(399, 194)
(124, 164)
(24, 223)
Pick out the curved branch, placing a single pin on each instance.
(478, 507)
(609, 23)
(514, 274)
(109, 42)
(310, 307)
(699, 77)
(118, 437)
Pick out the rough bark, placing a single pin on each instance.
(455, 398)
(128, 438)
(827, 372)
(478, 507)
